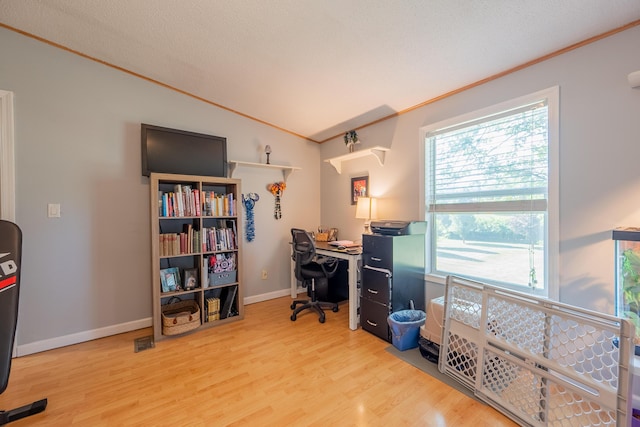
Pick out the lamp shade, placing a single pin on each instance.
(634, 79)
(367, 208)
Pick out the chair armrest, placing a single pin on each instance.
(329, 265)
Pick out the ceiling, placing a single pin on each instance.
(317, 68)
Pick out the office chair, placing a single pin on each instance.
(10, 260)
(313, 271)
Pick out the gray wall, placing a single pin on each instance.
(599, 152)
(77, 142)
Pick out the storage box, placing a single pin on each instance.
(432, 328)
(223, 278)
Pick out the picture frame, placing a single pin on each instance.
(190, 279)
(170, 279)
(359, 187)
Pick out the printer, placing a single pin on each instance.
(398, 228)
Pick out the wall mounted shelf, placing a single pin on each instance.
(377, 152)
(286, 170)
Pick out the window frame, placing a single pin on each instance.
(552, 97)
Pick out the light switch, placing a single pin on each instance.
(53, 210)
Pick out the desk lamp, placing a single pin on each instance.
(367, 209)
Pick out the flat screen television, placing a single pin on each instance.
(166, 150)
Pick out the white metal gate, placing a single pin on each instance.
(540, 362)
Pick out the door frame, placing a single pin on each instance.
(7, 166)
(7, 158)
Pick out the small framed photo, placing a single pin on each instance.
(170, 279)
(359, 187)
(190, 278)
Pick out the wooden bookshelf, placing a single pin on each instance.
(196, 232)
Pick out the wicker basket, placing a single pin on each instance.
(180, 316)
(322, 237)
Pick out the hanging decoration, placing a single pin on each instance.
(249, 202)
(277, 188)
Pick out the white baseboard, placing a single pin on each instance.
(50, 344)
(268, 296)
(79, 337)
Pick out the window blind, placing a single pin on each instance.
(497, 163)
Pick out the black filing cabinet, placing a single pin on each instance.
(392, 277)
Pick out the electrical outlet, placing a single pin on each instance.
(264, 274)
(53, 210)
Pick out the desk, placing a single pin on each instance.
(354, 258)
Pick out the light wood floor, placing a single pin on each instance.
(262, 371)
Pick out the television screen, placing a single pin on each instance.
(176, 151)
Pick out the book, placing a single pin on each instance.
(188, 243)
(196, 194)
(213, 309)
(179, 204)
(228, 301)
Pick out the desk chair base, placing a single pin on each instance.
(316, 305)
(24, 411)
(312, 304)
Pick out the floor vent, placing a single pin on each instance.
(143, 343)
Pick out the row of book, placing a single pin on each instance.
(220, 303)
(219, 239)
(185, 201)
(179, 243)
(193, 241)
(213, 309)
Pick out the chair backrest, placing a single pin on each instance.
(10, 260)
(303, 249)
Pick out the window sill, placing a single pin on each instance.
(436, 278)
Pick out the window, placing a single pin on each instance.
(490, 194)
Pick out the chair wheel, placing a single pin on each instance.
(321, 319)
(335, 309)
(293, 306)
(293, 317)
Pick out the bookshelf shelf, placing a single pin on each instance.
(286, 170)
(196, 229)
(378, 152)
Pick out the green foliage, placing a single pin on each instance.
(631, 287)
(351, 137)
(490, 228)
